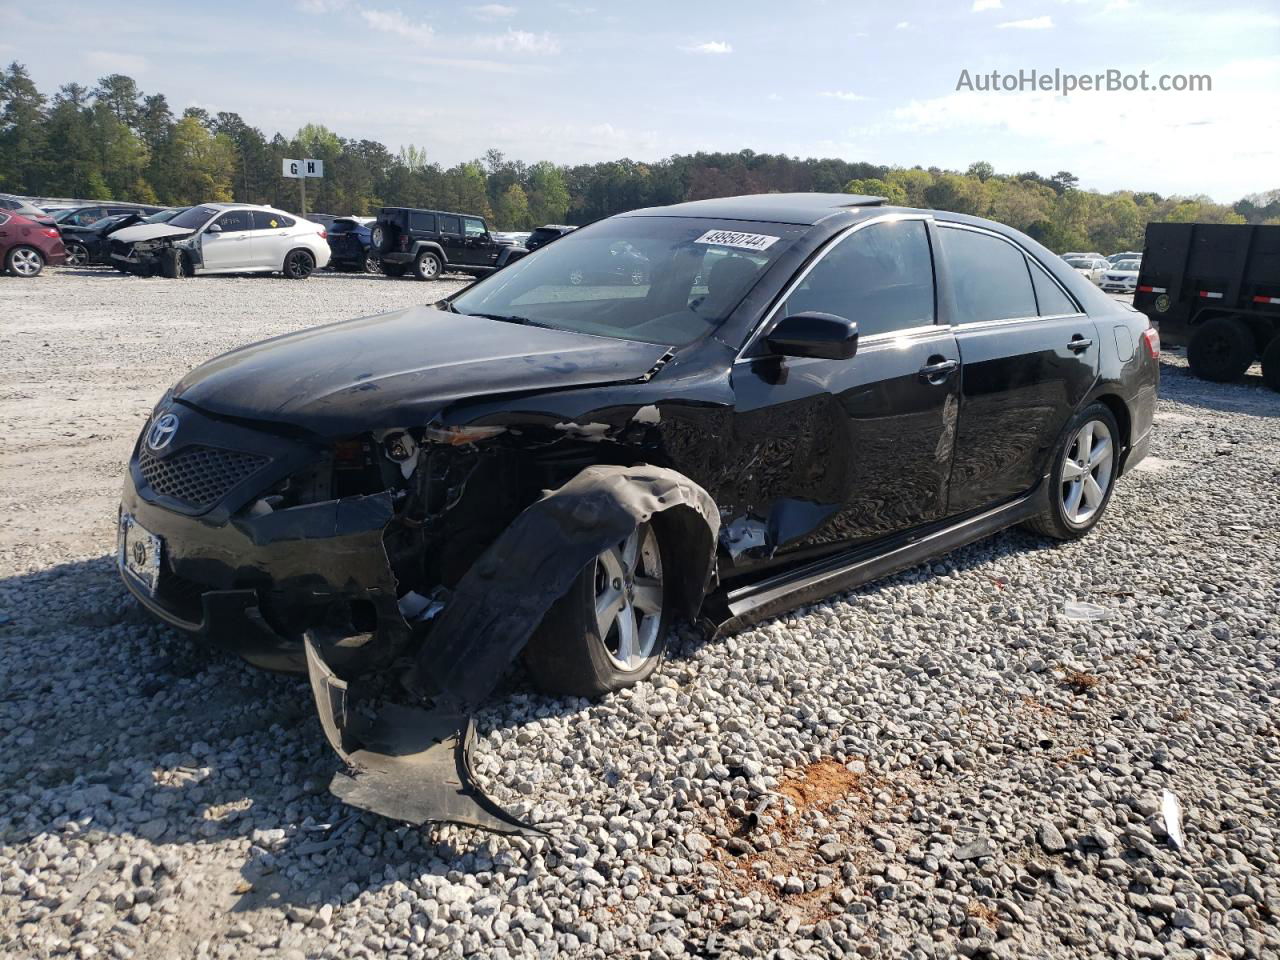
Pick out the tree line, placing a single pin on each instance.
(113, 141)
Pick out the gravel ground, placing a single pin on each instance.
(968, 758)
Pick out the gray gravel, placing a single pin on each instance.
(966, 759)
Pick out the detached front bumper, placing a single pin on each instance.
(252, 585)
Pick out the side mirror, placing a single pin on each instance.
(813, 334)
(213, 228)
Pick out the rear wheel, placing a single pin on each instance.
(77, 254)
(427, 266)
(299, 264)
(26, 262)
(609, 630)
(372, 264)
(1221, 350)
(1083, 476)
(1271, 363)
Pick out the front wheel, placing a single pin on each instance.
(174, 264)
(1221, 350)
(26, 262)
(1083, 476)
(299, 264)
(609, 630)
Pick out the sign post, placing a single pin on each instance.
(300, 170)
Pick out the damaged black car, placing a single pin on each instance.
(801, 393)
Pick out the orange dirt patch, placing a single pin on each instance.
(820, 784)
(1081, 682)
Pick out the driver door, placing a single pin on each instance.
(230, 247)
(842, 452)
(479, 249)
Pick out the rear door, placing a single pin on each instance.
(450, 227)
(840, 452)
(1029, 356)
(231, 247)
(272, 238)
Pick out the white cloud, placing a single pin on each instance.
(493, 11)
(711, 46)
(393, 21)
(980, 5)
(109, 61)
(520, 41)
(902, 25)
(841, 95)
(319, 7)
(1034, 23)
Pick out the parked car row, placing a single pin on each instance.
(1117, 273)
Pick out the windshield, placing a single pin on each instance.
(665, 280)
(106, 221)
(164, 216)
(1128, 265)
(1080, 264)
(193, 218)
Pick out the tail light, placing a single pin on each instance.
(324, 234)
(52, 233)
(1151, 340)
(404, 242)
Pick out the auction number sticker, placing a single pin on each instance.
(732, 238)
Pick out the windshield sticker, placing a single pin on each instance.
(731, 238)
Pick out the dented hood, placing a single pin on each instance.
(398, 369)
(150, 231)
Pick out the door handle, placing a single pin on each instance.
(939, 371)
(1079, 344)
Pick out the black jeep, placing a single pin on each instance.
(431, 242)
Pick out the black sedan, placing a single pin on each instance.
(805, 392)
(91, 244)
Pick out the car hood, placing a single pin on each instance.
(400, 369)
(150, 231)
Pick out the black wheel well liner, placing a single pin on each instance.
(431, 246)
(1120, 410)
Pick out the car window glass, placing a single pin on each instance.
(4, 218)
(988, 276)
(1052, 301)
(267, 220)
(473, 227)
(234, 220)
(881, 277)
(450, 225)
(424, 222)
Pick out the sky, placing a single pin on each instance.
(590, 80)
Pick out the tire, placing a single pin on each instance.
(174, 265)
(77, 254)
(1075, 507)
(1271, 364)
(1221, 350)
(298, 265)
(427, 266)
(372, 264)
(380, 237)
(393, 269)
(568, 655)
(24, 262)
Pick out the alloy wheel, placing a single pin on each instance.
(629, 598)
(25, 263)
(1087, 472)
(76, 255)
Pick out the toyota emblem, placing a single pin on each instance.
(139, 553)
(162, 431)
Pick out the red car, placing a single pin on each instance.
(26, 246)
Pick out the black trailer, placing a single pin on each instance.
(1215, 289)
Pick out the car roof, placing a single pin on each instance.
(798, 208)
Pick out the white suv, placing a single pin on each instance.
(224, 238)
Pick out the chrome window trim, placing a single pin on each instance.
(1080, 312)
(799, 278)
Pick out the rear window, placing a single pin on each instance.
(423, 222)
(1049, 296)
(268, 220)
(542, 235)
(450, 225)
(342, 226)
(988, 276)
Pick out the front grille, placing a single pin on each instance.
(198, 475)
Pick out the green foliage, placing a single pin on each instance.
(115, 141)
